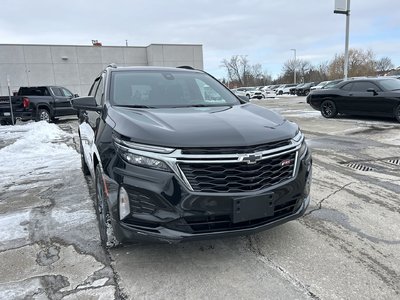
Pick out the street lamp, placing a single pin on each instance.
(343, 7)
(261, 79)
(295, 63)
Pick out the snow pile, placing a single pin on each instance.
(34, 151)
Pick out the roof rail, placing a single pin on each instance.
(186, 67)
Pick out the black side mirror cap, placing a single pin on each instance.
(85, 103)
(371, 90)
(76, 95)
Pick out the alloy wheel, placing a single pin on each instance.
(328, 109)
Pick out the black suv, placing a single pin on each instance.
(175, 155)
(304, 90)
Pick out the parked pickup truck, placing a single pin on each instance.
(37, 103)
(176, 156)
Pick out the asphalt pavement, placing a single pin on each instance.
(347, 246)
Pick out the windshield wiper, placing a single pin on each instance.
(204, 105)
(197, 105)
(136, 106)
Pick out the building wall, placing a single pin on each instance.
(75, 67)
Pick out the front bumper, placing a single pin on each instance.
(163, 210)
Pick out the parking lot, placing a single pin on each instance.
(347, 246)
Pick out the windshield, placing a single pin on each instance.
(390, 84)
(332, 84)
(159, 88)
(323, 83)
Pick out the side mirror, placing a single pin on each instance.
(85, 103)
(76, 95)
(371, 90)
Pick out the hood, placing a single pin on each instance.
(239, 125)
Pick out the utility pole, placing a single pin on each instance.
(294, 66)
(343, 7)
(9, 98)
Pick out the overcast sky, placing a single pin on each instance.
(265, 30)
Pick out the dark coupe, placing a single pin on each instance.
(369, 96)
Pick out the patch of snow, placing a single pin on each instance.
(12, 228)
(74, 218)
(302, 113)
(96, 283)
(35, 149)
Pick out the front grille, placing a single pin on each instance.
(239, 177)
(206, 224)
(237, 150)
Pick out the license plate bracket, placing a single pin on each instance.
(252, 208)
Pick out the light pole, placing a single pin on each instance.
(294, 66)
(340, 9)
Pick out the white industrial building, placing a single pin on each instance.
(75, 67)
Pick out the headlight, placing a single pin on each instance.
(298, 136)
(144, 161)
(143, 147)
(135, 154)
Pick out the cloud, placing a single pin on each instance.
(263, 30)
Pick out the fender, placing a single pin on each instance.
(90, 151)
(43, 105)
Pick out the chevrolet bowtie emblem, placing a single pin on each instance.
(251, 158)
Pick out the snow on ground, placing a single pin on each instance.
(32, 151)
(303, 113)
(13, 220)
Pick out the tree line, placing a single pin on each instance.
(240, 72)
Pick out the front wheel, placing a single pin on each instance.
(328, 109)
(397, 113)
(108, 239)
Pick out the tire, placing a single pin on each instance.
(397, 113)
(108, 239)
(43, 115)
(328, 109)
(248, 96)
(84, 166)
(280, 93)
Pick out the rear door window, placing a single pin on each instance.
(363, 86)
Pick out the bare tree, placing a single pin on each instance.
(240, 71)
(302, 67)
(384, 64)
(361, 63)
